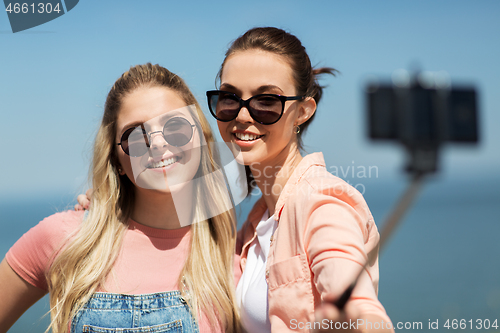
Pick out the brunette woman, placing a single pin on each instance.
(309, 235)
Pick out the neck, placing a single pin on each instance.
(158, 209)
(271, 177)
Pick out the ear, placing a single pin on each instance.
(307, 107)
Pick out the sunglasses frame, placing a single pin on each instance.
(246, 103)
(148, 135)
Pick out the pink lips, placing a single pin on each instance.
(163, 158)
(244, 143)
(159, 158)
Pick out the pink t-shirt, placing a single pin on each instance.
(150, 260)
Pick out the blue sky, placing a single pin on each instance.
(55, 77)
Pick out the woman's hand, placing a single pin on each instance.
(84, 200)
(332, 320)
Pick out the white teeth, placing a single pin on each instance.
(247, 136)
(163, 163)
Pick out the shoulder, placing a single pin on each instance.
(311, 176)
(319, 194)
(59, 225)
(32, 254)
(54, 229)
(50, 234)
(319, 180)
(69, 217)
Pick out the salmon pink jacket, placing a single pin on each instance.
(325, 231)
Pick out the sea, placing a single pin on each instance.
(440, 268)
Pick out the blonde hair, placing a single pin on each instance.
(79, 270)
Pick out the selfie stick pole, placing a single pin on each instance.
(389, 226)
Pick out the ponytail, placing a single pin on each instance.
(317, 90)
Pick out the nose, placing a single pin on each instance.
(157, 141)
(244, 116)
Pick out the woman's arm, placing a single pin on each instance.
(339, 234)
(16, 296)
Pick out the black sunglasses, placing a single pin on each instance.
(177, 132)
(265, 109)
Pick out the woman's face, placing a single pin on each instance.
(165, 164)
(246, 74)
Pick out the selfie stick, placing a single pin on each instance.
(422, 160)
(389, 227)
(421, 117)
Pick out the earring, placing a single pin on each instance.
(120, 171)
(297, 129)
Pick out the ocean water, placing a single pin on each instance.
(442, 263)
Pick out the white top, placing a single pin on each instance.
(251, 292)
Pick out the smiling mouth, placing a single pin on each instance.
(247, 136)
(163, 163)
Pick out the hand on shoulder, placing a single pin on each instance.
(83, 200)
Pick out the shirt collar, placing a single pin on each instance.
(314, 159)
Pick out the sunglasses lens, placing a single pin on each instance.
(178, 131)
(266, 109)
(224, 106)
(134, 142)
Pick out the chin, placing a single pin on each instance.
(250, 157)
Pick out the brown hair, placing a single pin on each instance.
(280, 42)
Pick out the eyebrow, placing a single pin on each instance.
(163, 117)
(262, 89)
(131, 125)
(173, 114)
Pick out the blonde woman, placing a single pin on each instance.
(134, 263)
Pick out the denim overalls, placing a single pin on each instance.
(154, 313)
